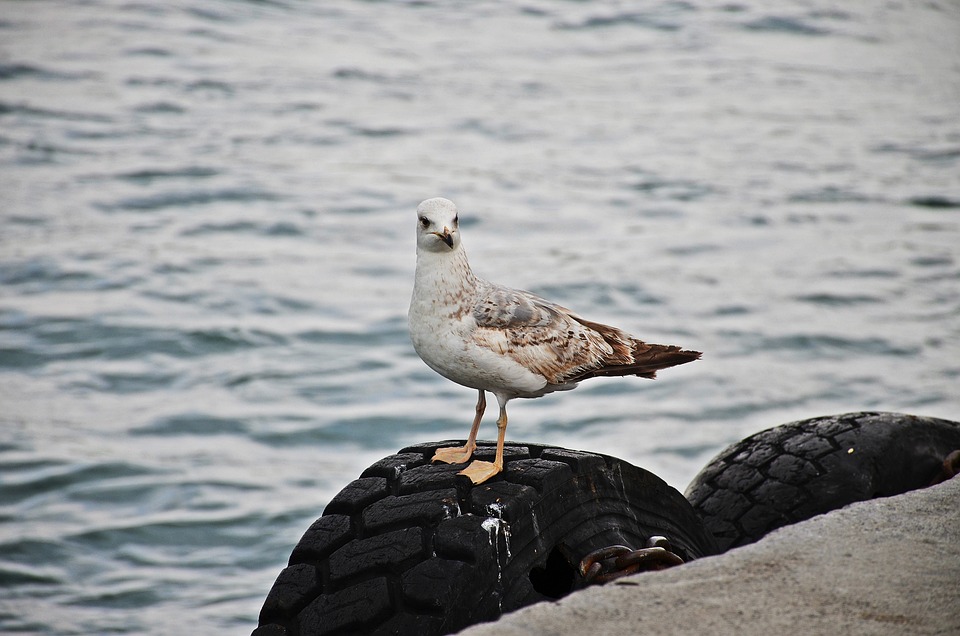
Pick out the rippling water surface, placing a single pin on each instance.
(206, 254)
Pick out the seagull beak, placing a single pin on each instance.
(446, 237)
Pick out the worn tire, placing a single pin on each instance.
(798, 470)
(412, 548)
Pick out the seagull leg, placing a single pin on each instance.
(480, 471)
(461, 454)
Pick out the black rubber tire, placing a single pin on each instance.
(412, 548)
(798, 470)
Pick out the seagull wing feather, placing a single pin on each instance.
(542, 336)
(559, 345)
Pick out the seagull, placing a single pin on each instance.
(509, 342)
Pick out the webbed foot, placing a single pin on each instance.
(453, 455)
(480, 471)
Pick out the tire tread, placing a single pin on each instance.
(411, 547)
(795, 471)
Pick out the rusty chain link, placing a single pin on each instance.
(613, 562)
(950, 468)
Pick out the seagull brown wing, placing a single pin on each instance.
(564, 348)
(645, 358)
(541, 336)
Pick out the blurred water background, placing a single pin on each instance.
(207, 250)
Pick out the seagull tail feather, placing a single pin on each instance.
(634, 357)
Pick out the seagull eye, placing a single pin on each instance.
(424, 221)
(456, 220)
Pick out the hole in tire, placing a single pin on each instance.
(556, 578)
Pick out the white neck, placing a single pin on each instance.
(440, 281)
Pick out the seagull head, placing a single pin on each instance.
(437, 225)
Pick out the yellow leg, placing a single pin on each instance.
(461, 454)
(480, 471)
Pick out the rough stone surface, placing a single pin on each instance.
(887, 566)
